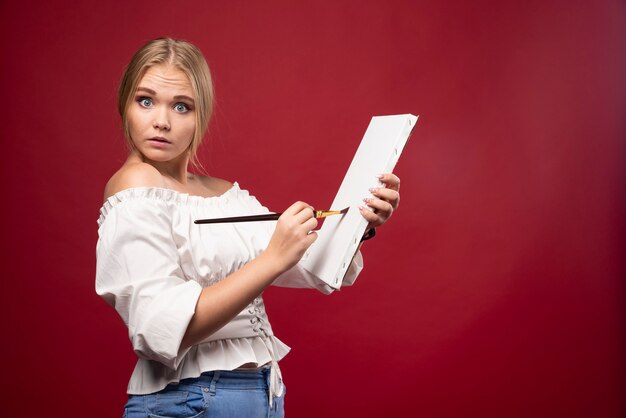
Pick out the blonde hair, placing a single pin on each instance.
(186, 57)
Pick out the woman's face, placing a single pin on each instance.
(161, 116)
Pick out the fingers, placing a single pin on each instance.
(383, 200)
(293, 235)
(297, 208)
(389, 195)
(380, 206)
(301, 214)
(391, 181)
(372, 219)
(310, 224)
(310, 238)
(391, 191)
(377, 213)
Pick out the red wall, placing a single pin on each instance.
(497, 290)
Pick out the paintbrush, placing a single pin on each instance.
(266, 217)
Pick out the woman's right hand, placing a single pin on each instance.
(293, 235)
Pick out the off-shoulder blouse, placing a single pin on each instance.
(152, 263)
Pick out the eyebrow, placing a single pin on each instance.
(154, 93)
(183, 97)
(147, 90)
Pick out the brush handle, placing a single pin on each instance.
(250, 218)
(265, 217)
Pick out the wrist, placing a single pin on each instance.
(273, 263)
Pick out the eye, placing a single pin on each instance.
(181, 108)
(144, 101)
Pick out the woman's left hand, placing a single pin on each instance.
(384, 201)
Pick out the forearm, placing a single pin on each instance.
(221, 302)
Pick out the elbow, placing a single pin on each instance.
(157, 337)
(149, 346)
(157, 325)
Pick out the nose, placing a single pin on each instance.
(161, 120)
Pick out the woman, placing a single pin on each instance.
(191, 295)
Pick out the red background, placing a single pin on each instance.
(497, 289)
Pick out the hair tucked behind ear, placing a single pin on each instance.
(186, 57)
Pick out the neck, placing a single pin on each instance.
(174, 170)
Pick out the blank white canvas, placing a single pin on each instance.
(338, 239)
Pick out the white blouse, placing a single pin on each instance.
(152, 263)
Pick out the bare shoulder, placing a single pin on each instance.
(215, 185)
(133, 174)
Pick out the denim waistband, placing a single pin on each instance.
(222, 389)
(242, 378)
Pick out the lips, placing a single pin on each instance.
(160, 139)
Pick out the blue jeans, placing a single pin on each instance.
(239, 393)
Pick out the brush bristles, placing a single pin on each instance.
(324, 213)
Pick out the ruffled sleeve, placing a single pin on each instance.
(138, 273)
